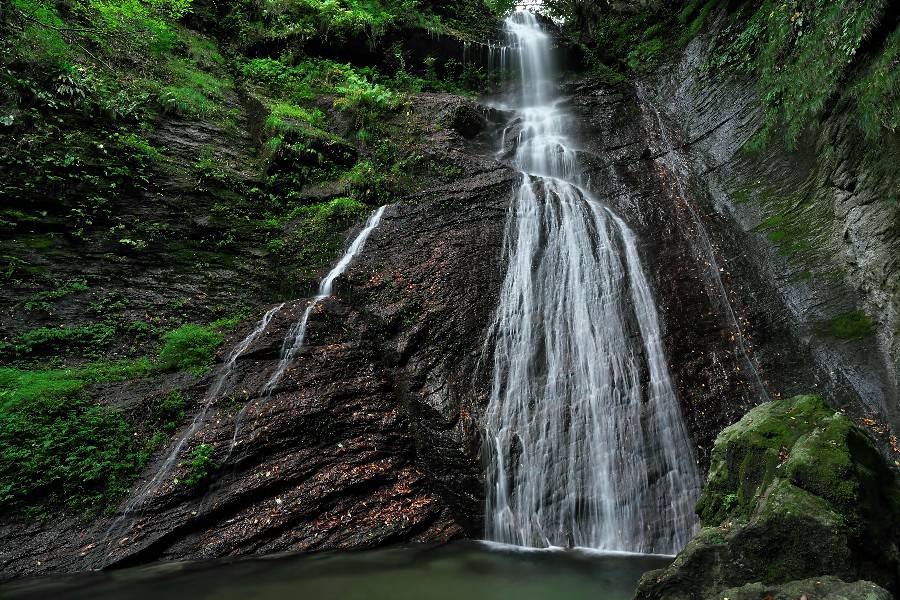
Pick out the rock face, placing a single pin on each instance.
(371, 438)
(795, 491)
(816, 220)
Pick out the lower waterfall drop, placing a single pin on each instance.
(585, 442)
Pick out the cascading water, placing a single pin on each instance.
(584, 437)
(296, 336)
(221, 382)
(292, 344)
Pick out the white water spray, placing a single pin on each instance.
(584, 437)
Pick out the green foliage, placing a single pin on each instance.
(343, 21)
(693, 17)
(802, 51)
(366, 182)
(46, 339)
(192, 92)
(58, 447)
(43, 300)
(316, 234)
(190, 347)
(645, 55)
(353, 88)
(101, 27)
(636, 41)
(340, 19)
(201, 466)
(852, 325)
(168, 412)
(877, 92)
(282, 113)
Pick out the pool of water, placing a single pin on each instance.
(468, 570)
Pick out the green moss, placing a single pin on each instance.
(748, 453)
(693, 17)
(820, 463)
(60, 448)
(798, 225)
(191, 347)
(795, 490)
(852, 325)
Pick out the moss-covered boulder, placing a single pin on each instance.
(819, 588)
(795, 491)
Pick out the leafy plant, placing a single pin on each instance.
(169, 411)
(190, 347)
(42, 300)
(802, 51)
(201, 466)
(49, 338)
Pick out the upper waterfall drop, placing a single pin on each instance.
(585, 441)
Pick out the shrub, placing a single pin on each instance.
(168, 411)
(189, 348)
(201, 466)
(55, 338)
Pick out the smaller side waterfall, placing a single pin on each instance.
(293, 342)
(222, 379)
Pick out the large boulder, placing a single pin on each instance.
(819, 588)
(795, 491)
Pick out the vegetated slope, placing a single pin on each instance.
(169, 168)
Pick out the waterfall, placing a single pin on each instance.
(293, 342)
(585, 443)
(220, 382)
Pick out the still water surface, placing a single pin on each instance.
(463, 570)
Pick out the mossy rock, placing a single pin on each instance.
(820, 588)
(795, 490)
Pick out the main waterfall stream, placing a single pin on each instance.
(590, 472)
(585, 441)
